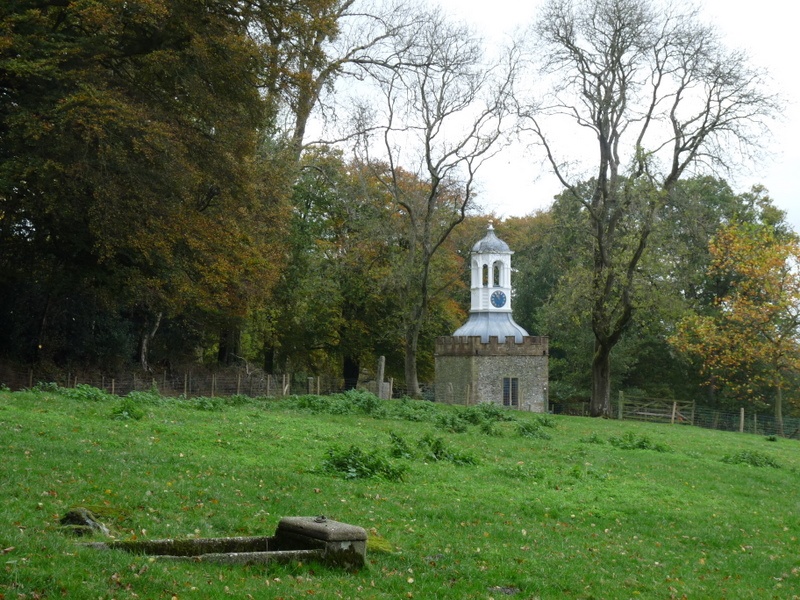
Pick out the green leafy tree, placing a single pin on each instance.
(128, 133)
(655, 93)
(751, 343)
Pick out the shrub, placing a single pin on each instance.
(592, 438)
(152, 397)
(238, 400)
(486, 412)
(546, 421)
(49, 386)
(415, 411)
(400, 447)
(532, 429)
(85, 392)
(314, 404)
(127, 409)
(355, 463)
(436, 450)
(206, 403)
(490, 428)
(751, 458)
(630, 441)
(365, 402)
(452, 422)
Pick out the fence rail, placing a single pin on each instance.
(188, 382)
(248, 382)
(655, 409)
(194, 382)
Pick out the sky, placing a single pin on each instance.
(514, 184)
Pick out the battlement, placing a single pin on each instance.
(473, 346)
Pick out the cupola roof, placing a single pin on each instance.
(491, 243)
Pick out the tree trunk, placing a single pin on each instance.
(351, 369)
(779, 411)
(144, 346)
(229, 345)
(412, 382)
(600, 405)
(269, 358)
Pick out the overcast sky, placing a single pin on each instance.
(514, 185)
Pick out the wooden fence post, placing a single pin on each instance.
(113, 386)
(741, 420)
(674, 410)
(621, 403)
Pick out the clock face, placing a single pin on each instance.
(498, 299)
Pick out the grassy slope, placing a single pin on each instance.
(568, 517)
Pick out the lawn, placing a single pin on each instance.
(459, 503)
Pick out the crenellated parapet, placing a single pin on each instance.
(473, 346)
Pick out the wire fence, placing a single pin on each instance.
(682, 412)
(199, 382)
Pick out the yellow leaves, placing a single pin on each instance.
(753, 338)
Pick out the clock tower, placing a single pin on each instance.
(490, 358)
(490, 284)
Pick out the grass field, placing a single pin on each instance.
(459, 503)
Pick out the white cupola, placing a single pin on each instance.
(490, 310)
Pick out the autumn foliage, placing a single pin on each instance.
(749, 345)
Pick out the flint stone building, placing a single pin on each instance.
(491, 358)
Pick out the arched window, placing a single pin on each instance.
(497, 269)
(485, 275)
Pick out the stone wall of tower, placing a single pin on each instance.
(470, 372)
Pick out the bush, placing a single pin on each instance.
(490, 428)
(630, 441)
(546, 421)
(452, 422)
(532, 429)
(400, 447)
(209, 404)
(751, 458)
(486, 412)
(49, 386)
(355, 463)
(592, 439)
(85, 392)
(415, 411)
(127, 409)
(434, 449)
(152, 397)
(314, 404)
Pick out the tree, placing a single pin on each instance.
(309, 44)
(128, 135)
(754, 338)
(656, 94)
(443, 114)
